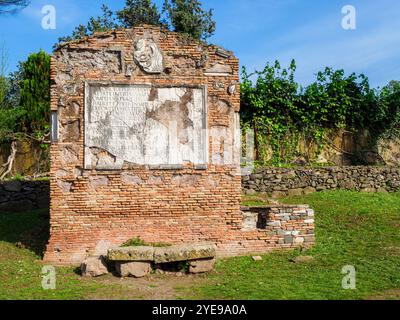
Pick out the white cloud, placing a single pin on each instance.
(371, 49)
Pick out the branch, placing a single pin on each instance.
(331, 144)
(43, 140)
(12, 6)
(10, 161)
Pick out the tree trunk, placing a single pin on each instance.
(256, 144)
(8, 166)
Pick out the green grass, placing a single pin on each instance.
(22, 239)
(351, 229)
(19, 177)
(255, 200)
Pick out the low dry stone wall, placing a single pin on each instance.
(280, 182)
(17, 196)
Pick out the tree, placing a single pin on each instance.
(102, 23)
(8, 116)
(188, 17)
(138, 12)
(338, 101)
(12, 6)
(270, 105)
(35, 93)
(4, 84)
(27, 109)
(14, 87)
(185, 16)
(390, 105)
(278, 109)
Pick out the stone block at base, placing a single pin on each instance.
(94, 267)
(133, 269)
(202, 265)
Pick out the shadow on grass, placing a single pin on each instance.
(28, 230)
(77, 271)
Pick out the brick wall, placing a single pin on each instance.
(94, 209)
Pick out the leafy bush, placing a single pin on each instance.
(10, 122)
(280, 111)
(390, 109)
(137, 242)
(270, 106)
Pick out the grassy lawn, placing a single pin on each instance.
(352, 229)
(22, 239)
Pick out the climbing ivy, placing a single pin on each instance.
(281, 112)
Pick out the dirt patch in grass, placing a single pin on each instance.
(392, 250)
(152, 287)
(354, 221)
(393, 294)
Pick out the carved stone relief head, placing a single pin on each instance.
(148, 56)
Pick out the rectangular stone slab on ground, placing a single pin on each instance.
(140, 253)
(184, 253)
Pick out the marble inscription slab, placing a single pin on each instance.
(144, 125)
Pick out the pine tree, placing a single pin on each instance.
(102, 23)
(35, 91)
(185, 16)
(137, 12)
(188, 17)
(105, 22)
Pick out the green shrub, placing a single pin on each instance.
(137, 242)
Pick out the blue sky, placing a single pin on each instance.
(258, 31)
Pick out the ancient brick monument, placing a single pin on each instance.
(146, 143)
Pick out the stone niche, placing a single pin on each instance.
(146, 144)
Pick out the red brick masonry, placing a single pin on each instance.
(92, 210)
